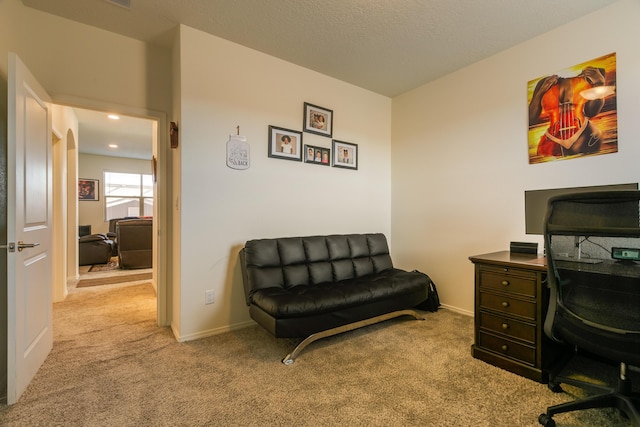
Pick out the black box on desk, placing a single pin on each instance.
(524, 247)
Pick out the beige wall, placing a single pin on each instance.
(65, 258)
(224, 85)
(174, 300)
(459, 157)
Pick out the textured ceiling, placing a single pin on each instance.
(386, 46)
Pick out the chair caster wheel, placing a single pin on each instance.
(555, 387)
(546, 421)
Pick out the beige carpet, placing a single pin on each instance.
(111, 365)
(112, 265)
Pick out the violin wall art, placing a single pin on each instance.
(573, 112)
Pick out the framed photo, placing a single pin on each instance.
(285, 144)
(317, 155)
(88, 189)
(345, 155)
(318, 120)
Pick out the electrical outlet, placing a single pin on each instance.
(209, 297)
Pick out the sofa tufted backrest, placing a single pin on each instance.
(292, 261)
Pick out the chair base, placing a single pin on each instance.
(622, 398)
(290, 358)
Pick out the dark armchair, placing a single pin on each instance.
(94, 249)
(111, 234)
(592, 243)
(135, 243)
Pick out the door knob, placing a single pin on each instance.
(22, 245)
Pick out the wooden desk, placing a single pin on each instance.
(511, 299)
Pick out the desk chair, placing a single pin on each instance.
(592, 243)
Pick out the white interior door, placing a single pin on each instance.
(29, 323)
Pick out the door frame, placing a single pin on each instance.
(59, 214)
(161, 209)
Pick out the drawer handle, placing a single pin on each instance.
(505, 283)
(504, 347)
(505, 304)
(505, 326)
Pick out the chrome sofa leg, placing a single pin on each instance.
(290, 358)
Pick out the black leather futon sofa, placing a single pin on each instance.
(319, 286)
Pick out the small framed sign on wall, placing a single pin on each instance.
(88, 189)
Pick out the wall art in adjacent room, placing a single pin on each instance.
(88, 189)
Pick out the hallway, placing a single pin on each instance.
(109, 274)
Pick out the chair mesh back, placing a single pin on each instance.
(609, 213)
(586, 235)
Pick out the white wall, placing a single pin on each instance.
(174, 299)
(76, 60)
(64, 127)
(459, 149)
(91, 166)
(224, 85)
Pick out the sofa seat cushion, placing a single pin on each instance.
(305, 300)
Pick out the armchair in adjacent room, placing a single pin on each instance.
(94, 249)
(111, 234)
(135, 243)
(592, 243)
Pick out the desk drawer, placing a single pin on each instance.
(506, 347)
(503, 303)
(509, 327)
(525, 286)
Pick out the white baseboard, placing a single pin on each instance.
(211, 332)
(457, 310)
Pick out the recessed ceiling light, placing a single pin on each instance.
(122, 3)
(113, 146)
(114, 117)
